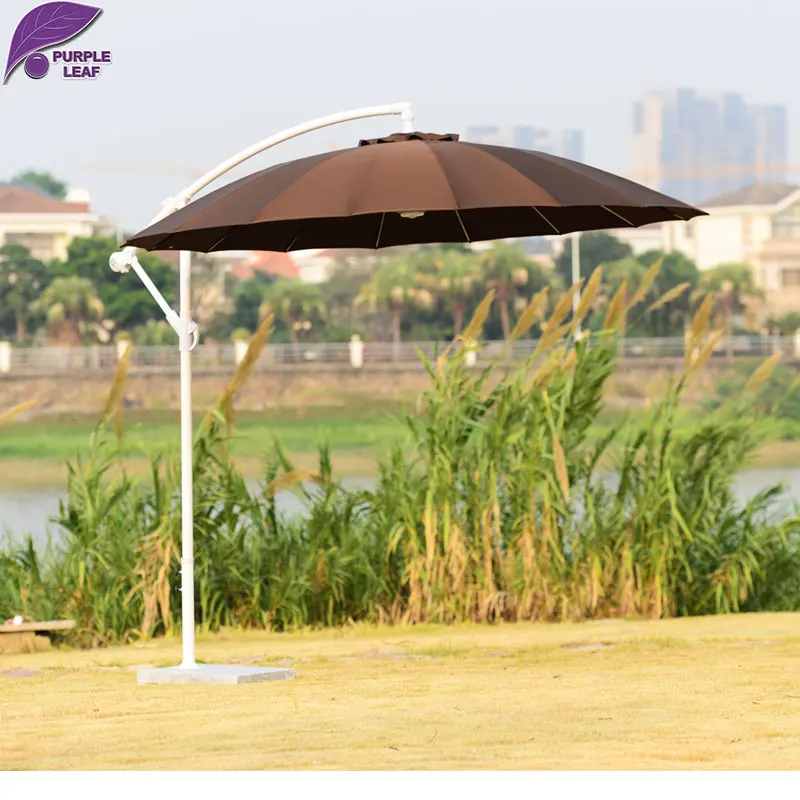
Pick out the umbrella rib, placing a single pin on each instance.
(674, 214)
(227, 231)
(618, 216)
(463, 227)
(541, 214)
(294, 238)
(380, 231)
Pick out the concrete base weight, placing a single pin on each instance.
(215, 673)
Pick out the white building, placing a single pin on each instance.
(648, 237)
(692, 147)
(757, 225)
(45, 225)
(563, 143)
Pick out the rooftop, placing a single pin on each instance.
(754, 194)
(24, 200)
(278, 265)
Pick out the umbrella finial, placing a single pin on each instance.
(408, 136)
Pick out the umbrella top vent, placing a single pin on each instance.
(410, 137)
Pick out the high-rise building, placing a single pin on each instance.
(564, 143)
(693, 147)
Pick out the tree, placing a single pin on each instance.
(595, 248)
(248, 297)
(627, 269)
(507, 269)
(124, 297)
(212, 286)
(394, 287)
(22, 278)
(784, 325)
(672, 318)
(734, 287)
(41, 180)
(453, 275)
(69, 306)
(296, 303)
(735, 294)
(630, 271)
(348, 275)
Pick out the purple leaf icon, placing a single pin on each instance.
(45, 26)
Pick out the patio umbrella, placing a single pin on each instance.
(409, 188)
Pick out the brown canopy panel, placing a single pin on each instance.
(416, 188)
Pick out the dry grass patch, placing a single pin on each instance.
(720, 693)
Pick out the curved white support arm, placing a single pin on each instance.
(403, 110)
(123, 260)
(183, 198)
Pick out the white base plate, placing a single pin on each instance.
(215, 673)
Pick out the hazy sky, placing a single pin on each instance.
(194, 81)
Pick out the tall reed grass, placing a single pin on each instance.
(499, 505)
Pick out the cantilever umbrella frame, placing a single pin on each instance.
(189, 671)
(467, 191)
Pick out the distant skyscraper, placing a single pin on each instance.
(694, 148)
(567, 143)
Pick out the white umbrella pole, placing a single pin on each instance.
(187, 488)
(576, 275)
(188, 671)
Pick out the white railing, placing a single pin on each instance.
(47, 361)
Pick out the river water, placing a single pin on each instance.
(29, 511)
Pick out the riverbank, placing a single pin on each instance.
(491, 506)
(700, 693)
(34, 453)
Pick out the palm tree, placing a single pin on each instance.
(736, 295)
(628, 270)
(394, 286)
(296, 303)
(70, 305)
(212, 288)
(21, 279)
(507, 269)
(453, 276)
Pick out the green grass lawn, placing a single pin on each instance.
(35, 451)
(298, 431)
(366, 428)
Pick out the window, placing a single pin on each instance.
(40, 245)
(787, 223)
(791, 277)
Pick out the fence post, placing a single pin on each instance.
(471, 356)
(239, 350)
(356, 352)
(5, 358)
(122, 348)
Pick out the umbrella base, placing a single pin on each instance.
(215, 673)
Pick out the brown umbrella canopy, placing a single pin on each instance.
(410, 188)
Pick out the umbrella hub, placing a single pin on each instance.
(409, 137)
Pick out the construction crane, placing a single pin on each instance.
(143, 168)
(648, 176)
(156, 168)
(764, 172)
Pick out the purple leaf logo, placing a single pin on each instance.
(46, 26)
